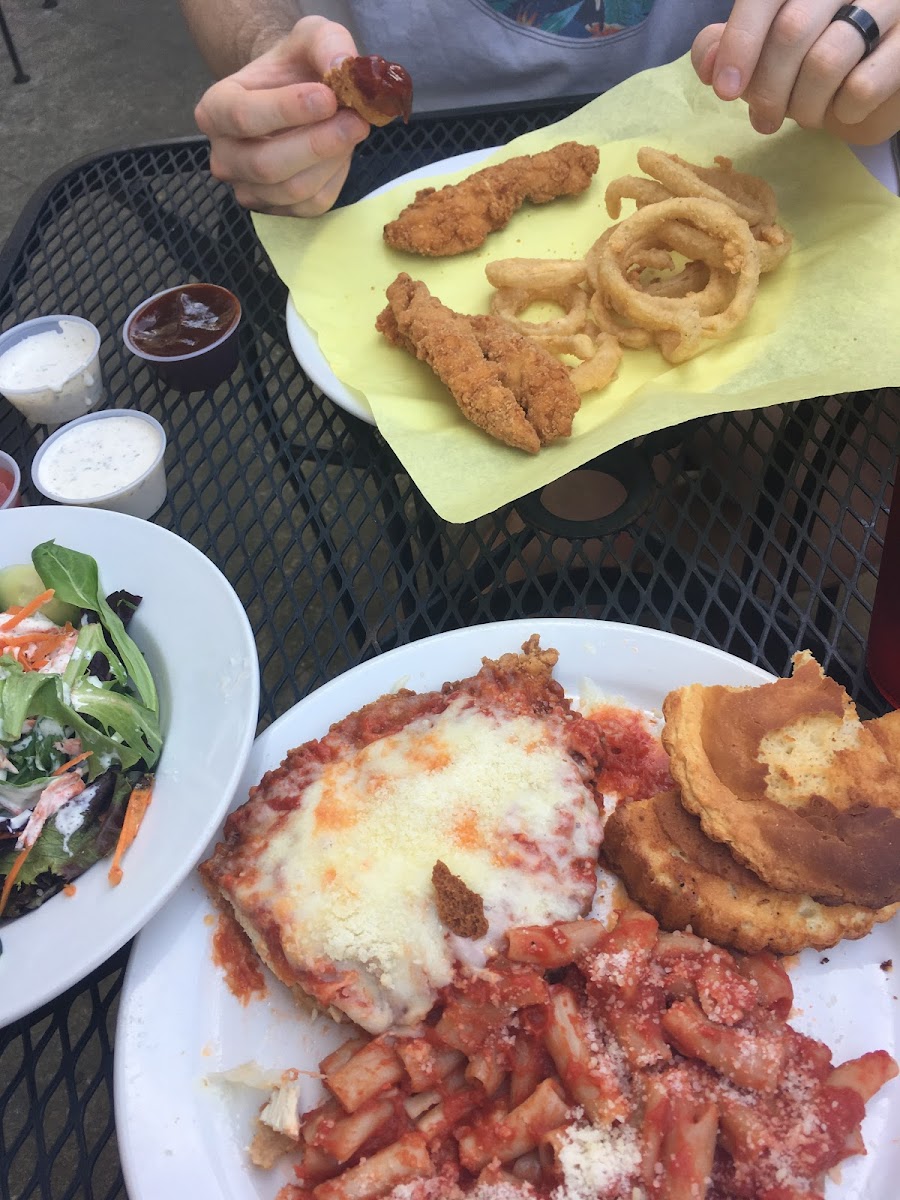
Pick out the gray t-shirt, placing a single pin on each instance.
(462, 53)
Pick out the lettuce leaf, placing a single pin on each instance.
(75, 579)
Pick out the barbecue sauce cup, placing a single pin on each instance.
(188, 334)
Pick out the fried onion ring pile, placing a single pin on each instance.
(680, 273)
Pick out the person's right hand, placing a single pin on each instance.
(276, 134)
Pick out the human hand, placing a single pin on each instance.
(791, 59)
(276, 133)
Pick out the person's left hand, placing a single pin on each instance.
(789, 58)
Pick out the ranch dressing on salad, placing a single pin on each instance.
(70, 817)
(99, 458)
(46, 360)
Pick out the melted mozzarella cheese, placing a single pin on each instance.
(497, 798)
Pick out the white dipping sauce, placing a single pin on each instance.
(46, 360)
(99, 457)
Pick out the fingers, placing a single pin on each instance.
(789, 58)
(822, 73)
(231, 110)
(871, 84)
(797, 60)
(263, 167)
(275, 130)
(742, 40)
(307, 195)
(806, 61)
(880, 125)
(703, 52)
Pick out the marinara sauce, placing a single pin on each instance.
(233, 953)
(636, 765)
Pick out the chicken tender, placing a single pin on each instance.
(509, 387)
(541, 383)
(460, 216)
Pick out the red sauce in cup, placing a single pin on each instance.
(184, 320)
(7, 483)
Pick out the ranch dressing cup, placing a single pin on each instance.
(111, 459)
(50, 368)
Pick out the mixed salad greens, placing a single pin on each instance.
(79, 726)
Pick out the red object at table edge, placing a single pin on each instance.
(883, 653)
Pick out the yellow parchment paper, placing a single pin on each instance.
(828, 321)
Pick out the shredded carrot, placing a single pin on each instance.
(30, 639)
(138, 803)
(33, 650)
(14, 870)
(73, 762)
(19, 614)
(70, 889)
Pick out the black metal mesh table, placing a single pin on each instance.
(759, 533)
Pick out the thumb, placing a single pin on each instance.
(328, 43)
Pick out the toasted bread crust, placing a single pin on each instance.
(801, 791)
(684, 879)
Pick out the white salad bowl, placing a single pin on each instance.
(200, 648)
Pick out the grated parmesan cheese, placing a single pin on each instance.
(595, 1160)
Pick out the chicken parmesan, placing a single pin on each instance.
(329, 866)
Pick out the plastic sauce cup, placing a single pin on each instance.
(50, 368)
(111, 459)
(189, 334)
(10, 482)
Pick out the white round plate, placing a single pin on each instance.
(304, 342)
(182, 1134)
(200, 648)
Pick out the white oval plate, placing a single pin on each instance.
(304, 342)
(182, 1135)
(200, 648)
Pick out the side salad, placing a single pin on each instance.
(79, 726)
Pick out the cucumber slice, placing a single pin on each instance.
(21, 583)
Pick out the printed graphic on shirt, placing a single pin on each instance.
(587, 19)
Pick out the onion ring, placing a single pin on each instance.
(712, 287)
(507, 303)
(773, 247)
(633, 187)
(682, 315)
(579, 345)
(531, 273)
(643, 253)
(693, 277)
(747, 195)
(608, 321)
(600, 368)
